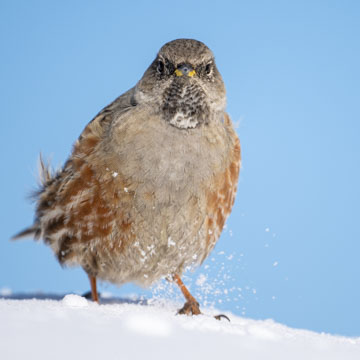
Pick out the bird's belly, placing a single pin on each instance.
(166, 192)
(168, 237)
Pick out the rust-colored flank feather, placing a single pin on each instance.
(151, 180)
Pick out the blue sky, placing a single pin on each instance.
(291, 70)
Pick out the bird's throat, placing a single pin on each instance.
(185, 105)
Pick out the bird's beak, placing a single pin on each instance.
(185, 69)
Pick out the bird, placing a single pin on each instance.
(151, 180)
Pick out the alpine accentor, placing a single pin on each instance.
(151, 179)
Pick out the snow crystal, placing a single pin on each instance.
(200, 281)
(171, 242)
(72, 300)
(151, 249)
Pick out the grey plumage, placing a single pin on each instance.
(152, 177)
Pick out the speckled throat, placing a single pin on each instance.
(185, 105)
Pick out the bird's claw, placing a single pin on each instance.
(190, 308)
(221, 316)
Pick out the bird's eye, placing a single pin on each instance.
(208, 68)
(160, 67)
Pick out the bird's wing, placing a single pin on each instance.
(221, 198)
(97, 128)
(55, 185)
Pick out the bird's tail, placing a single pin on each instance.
(45, 176)
(32, 231)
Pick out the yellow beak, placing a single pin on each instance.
(183, 70)
(178, 72)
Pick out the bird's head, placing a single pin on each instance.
(184, 84)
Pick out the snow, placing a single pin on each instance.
(72, 300)
(171, 242)
(74, 328)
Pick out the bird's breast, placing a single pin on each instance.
(162, 176)
(167, 170)
(153, 154)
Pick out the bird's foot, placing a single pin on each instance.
(193, 308)
(190, 308)
(221, 316)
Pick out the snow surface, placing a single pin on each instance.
(75, 328)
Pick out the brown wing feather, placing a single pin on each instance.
(222, 197)
(69, 200)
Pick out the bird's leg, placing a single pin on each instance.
(94, 293)
(191, 307)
